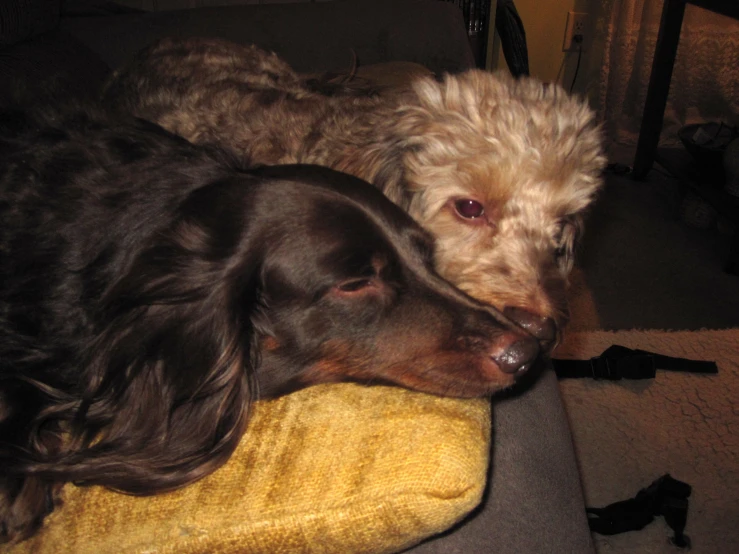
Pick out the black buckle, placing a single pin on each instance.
(600, 368)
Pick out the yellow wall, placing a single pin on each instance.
(544, 22)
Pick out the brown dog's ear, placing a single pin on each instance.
(170, 372)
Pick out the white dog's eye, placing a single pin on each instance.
(469, 209)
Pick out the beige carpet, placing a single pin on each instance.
(629, 433)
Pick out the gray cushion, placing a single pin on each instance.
(534, 502)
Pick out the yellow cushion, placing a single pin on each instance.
(331, 469)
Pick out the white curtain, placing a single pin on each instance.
(705, 80)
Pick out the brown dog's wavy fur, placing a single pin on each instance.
(528, 153)
(149, 292)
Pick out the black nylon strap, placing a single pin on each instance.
(665, 497)
(619, 362)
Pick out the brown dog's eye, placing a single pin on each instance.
(469, 209)
(354, 285)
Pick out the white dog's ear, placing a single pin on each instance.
(569, 239)
(384, 163)
(403, 133)
(393, 181)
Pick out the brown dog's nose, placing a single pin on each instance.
(518, 356)
(542, 327)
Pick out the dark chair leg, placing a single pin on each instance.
(659, 86)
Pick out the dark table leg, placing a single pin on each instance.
(659, 86)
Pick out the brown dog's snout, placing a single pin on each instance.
(542, 327)
(515, 353)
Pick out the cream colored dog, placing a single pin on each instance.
(499, 170)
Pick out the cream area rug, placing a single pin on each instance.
(629, 433)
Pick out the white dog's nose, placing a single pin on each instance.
(542, 327)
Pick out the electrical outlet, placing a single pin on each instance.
(575, 27)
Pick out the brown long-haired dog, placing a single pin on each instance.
(499, 170)
(149, 291)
